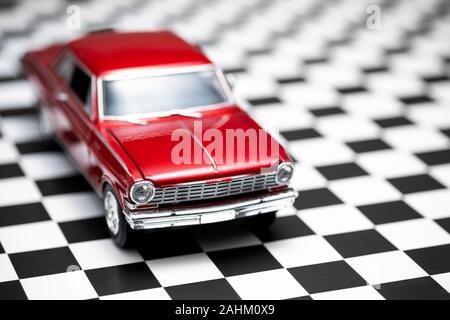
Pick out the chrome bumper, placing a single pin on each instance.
(217, 212)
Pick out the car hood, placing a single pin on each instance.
(160, 148)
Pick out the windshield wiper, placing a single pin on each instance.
(178, 112)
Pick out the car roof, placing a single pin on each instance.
(106, 52)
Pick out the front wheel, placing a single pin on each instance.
(118, 227)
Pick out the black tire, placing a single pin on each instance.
(125, 237)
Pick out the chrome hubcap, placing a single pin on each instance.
(112, 213)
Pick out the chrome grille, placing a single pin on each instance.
(203, 190)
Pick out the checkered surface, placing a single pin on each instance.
(365, 113)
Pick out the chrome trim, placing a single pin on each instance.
(160, 71)
(204, 214)
(214, 188)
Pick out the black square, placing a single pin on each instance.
(417, 183)
(351, 90)
(300, 134)
(416, 99)
(1, 248)
(433, 260)
(10, 170)
(123, 278)
(341, 171)
(389, 212)
(42, 262)
(436, 78)
(435, 157)
(368, 145)
(393, 122)
(315, 198)
(327, 277)
(414, 289)
(84, 230)
(359, 243)
(25, 213)
(444, 223)
(283, 228)
(167, 243)
(63, 185)
(263, 101)
(12, 290)
(291, 80)
(378, 69)
(38, 146)
(232, 262)
(218, 289)
(322, 112)
(446, 132)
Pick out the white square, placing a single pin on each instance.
(184, 269)
(391, 163)
(226, 237)
(62, 286)
(40, 166)
(306, 177)
(395, 84)
(358, 293)
(334, 75)
(441, 91)
(443, 279)
(364, 190)
(282, 118)
(102, 253)
(431, 204)
(18, 191)
(8, 151)
(441, 173)
(347, 128)
(310, 96)
(335, 219)
(321, 151)
(302, 251)
(16, 94)
(413, 234)
(432, 115)
(149, 294)
(254, 87)
(415, 139)
(32, 236)
(73, 206)
(274, 284)
(7, 272)
(372, 105)
(21, 128)
(386, 267)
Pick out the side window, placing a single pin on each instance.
(80, 82)
(64, 67)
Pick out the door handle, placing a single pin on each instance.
(61, 96)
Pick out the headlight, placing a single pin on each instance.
(142, 192)
(285, 171)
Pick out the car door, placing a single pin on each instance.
(74, 126)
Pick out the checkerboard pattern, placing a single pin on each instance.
(365, 113)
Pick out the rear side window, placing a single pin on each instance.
(80, 82)
(65, 66)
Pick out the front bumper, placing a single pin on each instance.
(210, 213)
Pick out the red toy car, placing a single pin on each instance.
(145, 117)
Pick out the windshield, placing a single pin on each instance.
(162, 93)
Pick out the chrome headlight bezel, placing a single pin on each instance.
(142, 184)
(284, 166)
